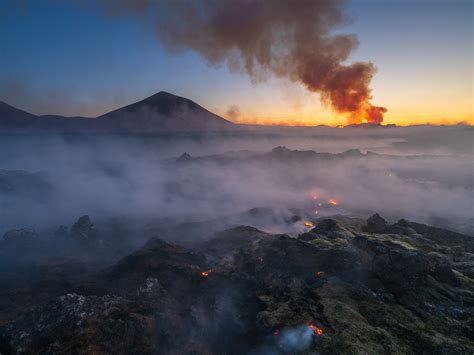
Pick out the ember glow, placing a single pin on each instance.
(168, 136)
(317, 330)
(206, 273)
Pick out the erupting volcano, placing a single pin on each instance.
(260, 38)
(216, 177)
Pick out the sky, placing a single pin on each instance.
(64, 57)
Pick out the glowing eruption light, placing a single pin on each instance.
(333, 202)
(317, 330)
(206, 273)
(290, 40)
(308, 224)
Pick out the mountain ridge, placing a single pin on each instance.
(162, 111)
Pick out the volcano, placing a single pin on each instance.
(163, 111)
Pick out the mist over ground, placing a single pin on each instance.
(267, 237)
(149, 224)
(422, 173)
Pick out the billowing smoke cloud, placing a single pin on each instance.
(288, 39)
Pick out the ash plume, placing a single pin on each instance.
(287, 39)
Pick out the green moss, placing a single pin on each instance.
(466, 281)
(321, 242)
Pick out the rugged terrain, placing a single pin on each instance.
(345, 285)
(240, 245)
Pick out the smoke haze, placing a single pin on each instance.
(141, 176)
(287, 39)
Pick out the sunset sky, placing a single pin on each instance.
(61, 58)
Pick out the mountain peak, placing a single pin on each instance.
(164, 93)
(162, 111)
(165, 111)
(167, 103)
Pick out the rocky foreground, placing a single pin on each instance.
(338, 288)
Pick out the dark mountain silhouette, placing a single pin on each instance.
(11, 117)
(160, 112)
(163, 111)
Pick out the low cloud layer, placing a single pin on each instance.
(137, 176)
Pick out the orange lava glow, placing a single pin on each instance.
(317, 330)
(333, 202)
(206, 273)
(308, 224)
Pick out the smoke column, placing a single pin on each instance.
(287, 38)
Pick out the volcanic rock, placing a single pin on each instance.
(171, 265)
(443, 273)
(375, 224)
(366, 293)
(440, 235)
(105, 325)
(185, 157)
(84, 231)
(399, 267)
(20, 236)
(327, 229)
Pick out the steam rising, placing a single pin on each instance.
(296, 339)
(288, 39)
(139, 176)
